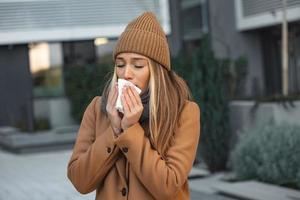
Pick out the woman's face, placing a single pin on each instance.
(134, 68)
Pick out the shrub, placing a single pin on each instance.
(41, 124)
(205, 77)
(235, 72)
(82, 83)
(269, 153)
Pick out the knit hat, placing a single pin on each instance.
(145, 36)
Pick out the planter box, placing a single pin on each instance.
(57, 110)
(243, 115)
(22, 142)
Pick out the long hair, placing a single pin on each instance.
(168, 95)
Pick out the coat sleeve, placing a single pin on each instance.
(163, 178)
(92, 156)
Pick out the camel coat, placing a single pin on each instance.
(127, 167)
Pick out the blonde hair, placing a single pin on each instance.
(168, 95)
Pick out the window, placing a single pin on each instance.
(271, 43)
(46, 68)
(194, 19)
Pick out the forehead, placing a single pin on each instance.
(131, 56)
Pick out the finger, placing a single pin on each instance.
(128, 99)
(125, 104)
(136, 96)
(132, 96)
(112, 95)
(115, 95)
(111, 91)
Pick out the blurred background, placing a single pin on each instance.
(240, 58)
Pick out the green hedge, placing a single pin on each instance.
(269, 153)
(205, 76)
(82, 83)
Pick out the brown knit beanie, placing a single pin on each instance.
(145, 36)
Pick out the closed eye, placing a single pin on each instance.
(139, 66)
(120, 65)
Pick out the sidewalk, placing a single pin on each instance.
(36, 176)
(40, 176)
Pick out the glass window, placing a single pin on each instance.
(46, 68)
(194, 19)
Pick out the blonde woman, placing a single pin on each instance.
(147, 150)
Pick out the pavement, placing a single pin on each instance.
(42, 176)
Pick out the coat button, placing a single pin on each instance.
(125, 149)
(124, 191)
(108, 149)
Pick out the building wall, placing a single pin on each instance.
(15, 87)
(78, 52)
(228, 42)
(26, 21)
(175, 38)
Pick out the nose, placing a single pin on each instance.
(127, 73)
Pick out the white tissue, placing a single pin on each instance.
(121, 84)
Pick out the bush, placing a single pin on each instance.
(269, 153)
(235, 72)
(82, 83)
(205, 77)
(41, 124)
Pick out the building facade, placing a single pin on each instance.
(252, 28)
(38, 39)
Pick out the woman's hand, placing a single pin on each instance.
(111, 110)
(132, 105)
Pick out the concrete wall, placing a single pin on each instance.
(244, 116)
(57, 110)
(175, 38)
(228, 42)
(15, 87)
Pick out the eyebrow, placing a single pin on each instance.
(134, 58)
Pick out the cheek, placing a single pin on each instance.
(145, 80)
(118, 72)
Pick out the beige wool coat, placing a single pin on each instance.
(127, 167)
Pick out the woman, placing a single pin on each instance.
(147, 151)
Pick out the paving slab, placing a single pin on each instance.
(198, 173)
(206, 184)
(254, 190)
(196, 195)
(22, 142)
(43, 175)
(37, 176)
